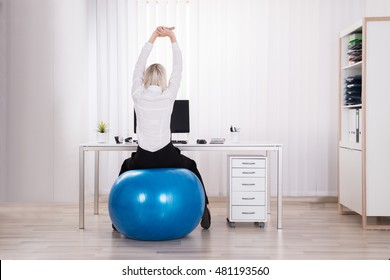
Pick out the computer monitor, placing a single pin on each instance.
(180, 118)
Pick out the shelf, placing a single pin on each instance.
(363, 173)
(350, 145)
(355, 66)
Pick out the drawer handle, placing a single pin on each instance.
(249, 163)
(248, 198)
(247, 172)
(248, 213)
(246, 184)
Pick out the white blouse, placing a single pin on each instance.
(152, 105)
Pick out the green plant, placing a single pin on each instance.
(102, 127)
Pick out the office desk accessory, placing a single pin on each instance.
(217, 140)
(201, 141)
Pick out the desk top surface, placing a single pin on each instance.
(189, 145)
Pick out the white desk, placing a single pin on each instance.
(227, 147)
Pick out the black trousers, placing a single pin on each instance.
(167, 157)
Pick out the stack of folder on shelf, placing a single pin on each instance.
(353, 90)
(355, 48)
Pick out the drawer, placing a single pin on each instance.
(248, 162)
(248, 184)
(248, 172)
(248, 198)
(254, 213)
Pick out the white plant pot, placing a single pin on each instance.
(102, 137)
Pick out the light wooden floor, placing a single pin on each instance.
(313, 229)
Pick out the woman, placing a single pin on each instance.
(153, 102)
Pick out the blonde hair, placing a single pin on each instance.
(155, 75)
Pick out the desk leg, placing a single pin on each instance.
(280, 190)
(96, 187)
(269, 182)
(81, 188)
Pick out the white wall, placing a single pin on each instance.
(43, 99)
(30, 101)
(70, 94)
(3, 107)
(376, 8)
(46, 98)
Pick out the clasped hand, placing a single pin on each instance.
(163, 31)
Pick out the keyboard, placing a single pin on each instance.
(179, 141)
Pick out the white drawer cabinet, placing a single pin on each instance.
(247, 189)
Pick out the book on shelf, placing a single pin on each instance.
(354, 125)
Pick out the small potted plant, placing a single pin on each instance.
(102, 132)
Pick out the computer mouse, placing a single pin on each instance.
(201, 141)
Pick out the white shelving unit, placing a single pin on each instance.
(364, 156)
(247, 190)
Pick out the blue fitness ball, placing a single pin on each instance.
(156, 204)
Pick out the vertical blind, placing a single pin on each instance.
(268, 67)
